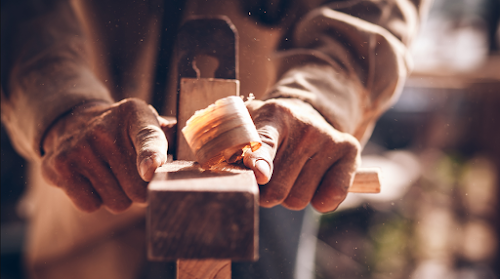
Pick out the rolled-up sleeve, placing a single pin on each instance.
(349, 59)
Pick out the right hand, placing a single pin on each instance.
(303, 159)
(103, 154)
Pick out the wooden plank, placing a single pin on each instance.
(197, 214)
(366, 180)
(190, 269)
(215, 37)
(198, 94)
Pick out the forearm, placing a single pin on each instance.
(349, 60)
(48, 75)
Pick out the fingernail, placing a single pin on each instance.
(263, 167)
(145, 166)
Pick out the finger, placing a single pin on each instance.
(82, 194)
(280, 185)
(56, 170)
(313, 171)
(106, 185)
(306, 183)
(123, 166)
(87, 160)
(147, 137)
(261, 160)
(151, 146)
(334, 186)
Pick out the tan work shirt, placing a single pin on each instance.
(348, 59)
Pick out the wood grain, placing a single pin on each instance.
(198, 214)
(366, 180)
(221, 132)
(191, 269)
(197, 94)
(204, 220)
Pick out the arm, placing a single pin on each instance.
(45, 72)
(55, 109)
(349, 60)
(341, 66)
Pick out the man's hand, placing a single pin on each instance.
(303, 158)
(103, 154)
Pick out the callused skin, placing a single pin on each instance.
(310, 161)
(103, 154)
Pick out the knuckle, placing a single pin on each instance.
(273, 195)
(270, 107)
(295, 203)
(347, 150)
(270, 110)
(83, 200)
(59, 169)
(118, 207)
(138, 194)
(132, 104)
(134, 187)
(321, 207)
(140, 198)
(276, 197)
(89, 207)
(325, 206)
(62, 163)
(353, 152)
(352, 143)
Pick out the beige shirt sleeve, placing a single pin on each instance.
(349, 59)
(48, 74)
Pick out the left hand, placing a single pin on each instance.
(303, 158)
(102, 154)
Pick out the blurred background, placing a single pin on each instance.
(439, 151)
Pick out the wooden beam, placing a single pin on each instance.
(199, 214)
(366, 180)
(190, 269)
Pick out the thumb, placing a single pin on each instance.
(149, 142)
(261, 160)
